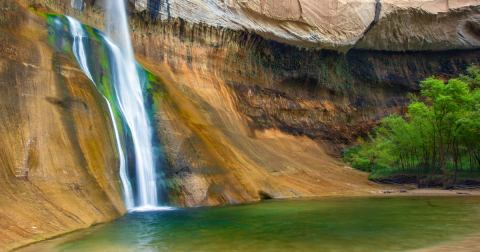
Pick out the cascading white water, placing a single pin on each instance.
(129, 203)
(130, 97)
(78, 49)
(125, 80)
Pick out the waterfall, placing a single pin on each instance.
(128, 92)
(78, 49)
(129, 203)
(130, 97)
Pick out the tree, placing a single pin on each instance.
(440, 127)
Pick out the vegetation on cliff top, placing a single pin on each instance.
(439, 135)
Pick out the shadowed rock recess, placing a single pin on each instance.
(250, 100)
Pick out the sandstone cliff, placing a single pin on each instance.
(58, 157)
(391, 25)
(394, 25)
(424, 25)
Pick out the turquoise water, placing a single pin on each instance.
(321, 224)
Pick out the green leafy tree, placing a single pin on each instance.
(441, 127)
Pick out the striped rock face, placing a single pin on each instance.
(392, 25)
(326, 24)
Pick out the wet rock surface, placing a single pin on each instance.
(58, 158)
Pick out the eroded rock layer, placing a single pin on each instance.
(215, 157)
(433, 25)
(244, 118)
(324, 95)
(393, 25)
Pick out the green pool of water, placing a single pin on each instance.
(320, 224)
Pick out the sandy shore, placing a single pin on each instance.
(410, 190)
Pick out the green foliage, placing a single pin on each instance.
(370, 155)
(440, 131)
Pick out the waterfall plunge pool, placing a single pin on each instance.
(370, 223)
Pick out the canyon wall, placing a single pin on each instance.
(58, 155)
(393, 25)
(250, 99)
(387, 25)
(326, 95)
(242, 87)
(247, 111)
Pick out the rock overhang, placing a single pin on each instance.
(340, 25)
